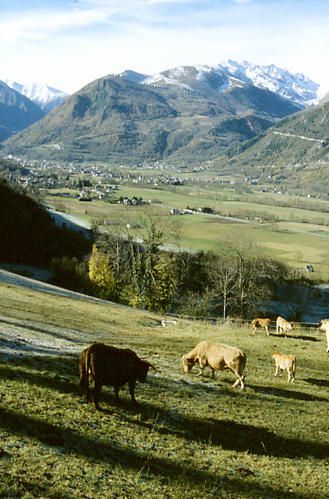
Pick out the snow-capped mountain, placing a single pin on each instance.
(222, 77)
(190, 78)
(41, 94)
(16, 111)
(296, 87)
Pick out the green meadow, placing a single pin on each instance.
(190, 436)
(288, 228)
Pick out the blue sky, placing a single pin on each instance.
(68, 43)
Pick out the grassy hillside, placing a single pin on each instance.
(301, 140)
(190, 437)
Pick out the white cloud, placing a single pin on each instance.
(42, 24)
(70, 47)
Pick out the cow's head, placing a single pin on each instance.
(187, 364)
(324, 325)
(143, 368)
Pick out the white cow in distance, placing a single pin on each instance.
(324, 326)
(282, 325)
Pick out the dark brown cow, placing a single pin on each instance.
(107, 365)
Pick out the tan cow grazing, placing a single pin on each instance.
(107, 365)
(261, 322)
(324, 326)
(218, 357)
(283, 362)
(282, 325)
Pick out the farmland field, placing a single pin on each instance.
(190, 436)
(288, 228)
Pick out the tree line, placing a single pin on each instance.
(141, 271)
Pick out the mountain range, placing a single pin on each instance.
(46, 97)
(295, 87)
(187, 114)
(16, 112)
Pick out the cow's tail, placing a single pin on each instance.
(84, 368)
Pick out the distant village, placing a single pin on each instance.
(100, 181)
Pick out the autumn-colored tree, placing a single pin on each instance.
(100, 273)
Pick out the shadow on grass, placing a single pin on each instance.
(317, 382)
(228, 434)
(111, 451)
(24, 486)
(290, 394)
(58, 378)
(295, 337)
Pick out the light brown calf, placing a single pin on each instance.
(283, 362)
(261, 322)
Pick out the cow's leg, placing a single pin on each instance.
(97, 390)
(238, 382)
(84, 387)
(253, 330)
(84, 384)
(290, 376)
(202, 365)
(240, 378)
(116, 391)
(132, 392)
(88, 394)
(267, 331)
(276, 370)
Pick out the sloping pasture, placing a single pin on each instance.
(190, 437)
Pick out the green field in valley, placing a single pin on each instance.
(293, 235)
